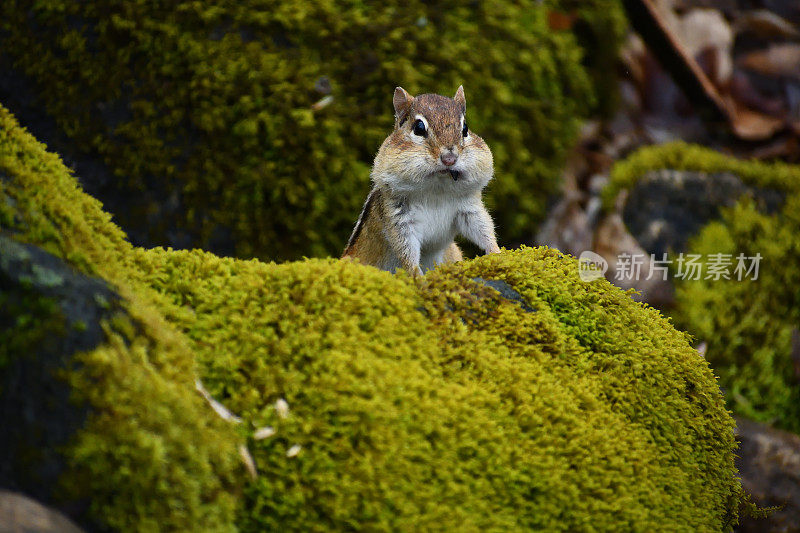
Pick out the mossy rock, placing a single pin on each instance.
(220, 96)
(746, 324)
(441, 403)
(683, 156)
(667, 207)
(98, 408)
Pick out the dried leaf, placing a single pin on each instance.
(658, 30)
(325, 101)
(664, 43)
(746, 94)
(705, 31)
(765, 24)
(779, 60)
(264, 433)
(282, 408)
(702, 348)
(293, 451)
(558, 21)
(248, 461)
(754, 126)
(220, 409)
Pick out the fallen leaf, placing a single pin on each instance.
(248, 461)
(264, 433)
(779, 60)
(754, 126)
(663, 41)
(745, 93)
(324, 102)
(658, 30)
(702, 348)
(766, 24)
(293, 451)
(282, 408)
(220, 409)
(705, 31)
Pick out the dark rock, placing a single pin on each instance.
(506, 291)
(48, 312)
(769, 464)
(20, 514)
(667, 207)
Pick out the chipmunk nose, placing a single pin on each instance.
(449, 158)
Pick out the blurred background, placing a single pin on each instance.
(646, 128)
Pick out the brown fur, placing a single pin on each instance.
(453, 254)
(364, 242)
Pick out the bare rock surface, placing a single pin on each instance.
(20, 514)
(668, 207)
(769, 464)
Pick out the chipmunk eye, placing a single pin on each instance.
(465, 130)
(419, 128)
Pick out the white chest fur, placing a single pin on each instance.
(424, 219)
(432, 221)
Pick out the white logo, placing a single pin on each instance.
(591, 266)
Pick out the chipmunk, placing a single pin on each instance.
(427, 182)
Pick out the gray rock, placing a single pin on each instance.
(48, 312)
(20, 514)
(769, 464)
(506, 291)
(667, 207)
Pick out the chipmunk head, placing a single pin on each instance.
(431, 143)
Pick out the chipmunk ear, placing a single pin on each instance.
(461, 99)
(402, 105)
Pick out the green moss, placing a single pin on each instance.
(599, 27)
(448, 405)
(39, 198)
(600, 351)
(435, 404)
(151, 455)
(747, 325)
(220, 99)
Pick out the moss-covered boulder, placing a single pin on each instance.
(754, 175)
(96, 388)
(496, 394)
(747, 324)
(98, 407)
(222, 97)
